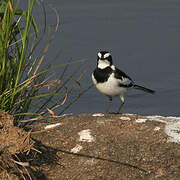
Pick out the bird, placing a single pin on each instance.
(111, 81)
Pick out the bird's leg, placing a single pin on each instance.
(122, 99)
(120, 107)
(109, 103)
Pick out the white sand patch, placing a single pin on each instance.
(128, 114)
(77, 148)
(125, 118)
(173, 118)
(141, 120)
(98, 115)
(52, 125)
(85, 136)
(172, 129)
(156, 118)
(157, 128)
(172, 126)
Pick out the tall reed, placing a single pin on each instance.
(23, 84)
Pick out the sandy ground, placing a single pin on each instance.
(93, 147)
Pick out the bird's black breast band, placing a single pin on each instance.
(102, 75)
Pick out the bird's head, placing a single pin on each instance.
(104, 59)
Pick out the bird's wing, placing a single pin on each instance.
(124, 79)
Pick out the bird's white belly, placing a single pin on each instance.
(110, 87)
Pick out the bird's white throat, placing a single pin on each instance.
(102, 64)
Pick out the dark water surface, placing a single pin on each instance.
(143, 38)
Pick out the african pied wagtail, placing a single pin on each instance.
(111, 81)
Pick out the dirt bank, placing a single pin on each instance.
(92, 147)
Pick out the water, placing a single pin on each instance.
(144, 40)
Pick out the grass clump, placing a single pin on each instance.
(24, 85)
(27, 90)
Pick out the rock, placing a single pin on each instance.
(125, 146)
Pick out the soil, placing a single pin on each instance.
(87, 147)
(13, 141)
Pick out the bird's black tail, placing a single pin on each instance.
(144, 89)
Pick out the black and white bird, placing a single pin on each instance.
(111, 81)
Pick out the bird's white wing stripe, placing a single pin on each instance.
(99, 55)
(125, 81)
(107, 55)
(113, 67)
